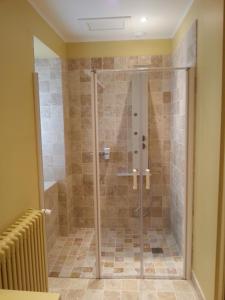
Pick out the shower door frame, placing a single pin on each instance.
(190, 133)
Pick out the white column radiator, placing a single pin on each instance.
(22, 254)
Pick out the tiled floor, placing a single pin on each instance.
(122, 289)
(121, 254)
(74, 256)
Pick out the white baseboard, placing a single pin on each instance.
(197, 286)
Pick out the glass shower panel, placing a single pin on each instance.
(73, 255)
(164, 198)
(119, 163)
(67, 154)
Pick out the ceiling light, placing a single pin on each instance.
(143, 19)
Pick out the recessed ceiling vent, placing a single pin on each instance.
(106, 23)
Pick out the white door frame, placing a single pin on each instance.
(38, 139)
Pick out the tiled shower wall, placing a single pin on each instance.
(178, 156)
(183, 56)
(159, 150)
(119, 201)
(52, 119)
(56, 138)
(66, 211)
(81, 143)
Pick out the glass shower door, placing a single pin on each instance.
(142, 133)
(119, 168)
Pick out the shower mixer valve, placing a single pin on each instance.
(106, 153)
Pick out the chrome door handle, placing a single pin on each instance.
(134, 179)
(147, 178)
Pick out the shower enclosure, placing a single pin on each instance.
(141, 132)
(123, 208)
(115, 142)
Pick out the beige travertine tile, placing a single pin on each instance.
(144, 60)
(166, 296)
(182, 286)
(96, 63)
(132, 61)
(60, 283)
(157, 60)
(129, 295)
(85, 63)
(148, 295)
(120, 62)
(78, 284)
(130, 284)
(164, 285)
(96, 284)
(147, 284)
(113, 284)
(108, 62)
(94, 295)
(111, 295)
(75, 294)
(186, 296)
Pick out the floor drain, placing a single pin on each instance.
(157, 250)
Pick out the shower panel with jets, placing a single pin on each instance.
(140, 163)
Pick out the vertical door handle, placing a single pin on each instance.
(147, 178)
(134, 179)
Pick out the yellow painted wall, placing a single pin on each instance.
(119, 48)
(18, 158)
(209, 96)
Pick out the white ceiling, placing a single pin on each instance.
(68, 18)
